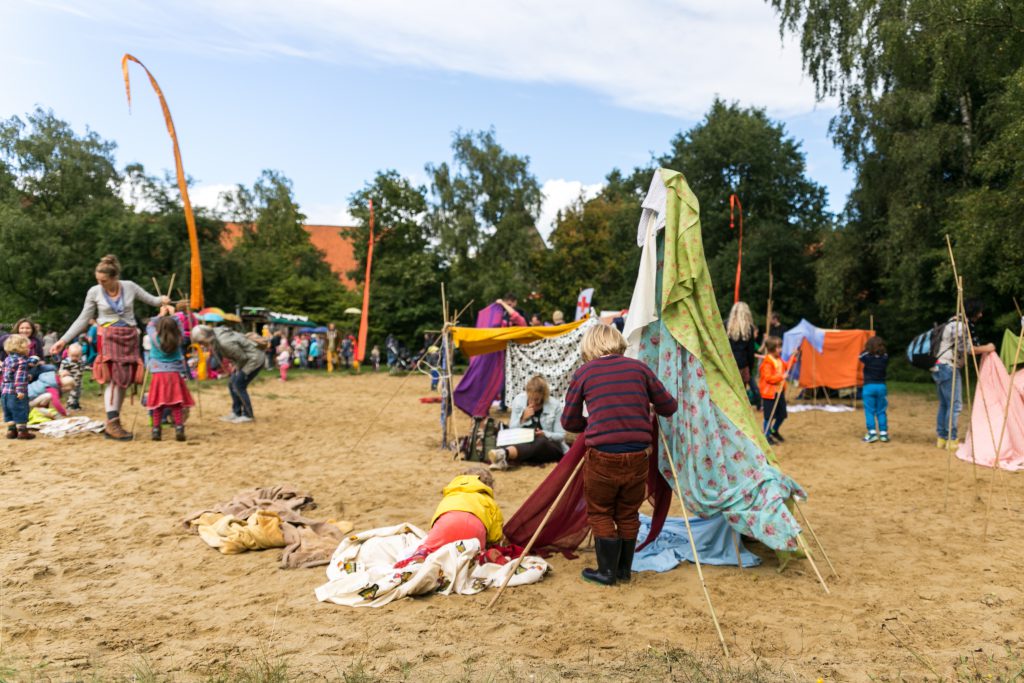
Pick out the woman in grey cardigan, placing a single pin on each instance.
(247, 357)
(112, 304)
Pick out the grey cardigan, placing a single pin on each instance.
(239, 349)
(96, 306)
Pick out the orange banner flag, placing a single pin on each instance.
(196, 269)
(734, 203)
(365, 321)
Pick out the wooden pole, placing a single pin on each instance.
(693, 544)
(952, 394)
(815, 537)
(810, 558)
(771, 288)
(1002, 433)
(536, 534)
(736, 547)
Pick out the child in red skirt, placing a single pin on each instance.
(167, 388)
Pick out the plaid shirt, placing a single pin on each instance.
(15, 379)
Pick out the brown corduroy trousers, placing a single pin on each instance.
(614, 485)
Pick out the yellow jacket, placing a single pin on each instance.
(466, 493)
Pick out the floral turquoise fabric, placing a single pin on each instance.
(717, 453)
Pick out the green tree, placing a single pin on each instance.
(484, 214)
(59, 212)
(405, 282)
(278, 265)
(926, 89)
(742, 151)
(594, 245)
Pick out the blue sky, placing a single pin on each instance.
(330, 91)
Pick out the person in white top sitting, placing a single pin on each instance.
(533, 408)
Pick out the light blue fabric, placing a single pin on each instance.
(713, 537)
(792, 340)
(45, 380)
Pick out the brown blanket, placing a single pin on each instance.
(307, 542)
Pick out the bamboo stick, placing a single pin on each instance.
(536, 534)
(1002, 433)
(810, 558)
(736, 547)
(815, 537)
(952, 394)
(693, 544)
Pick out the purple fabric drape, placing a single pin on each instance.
(482, 383)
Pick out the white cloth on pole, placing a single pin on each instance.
(643, 309)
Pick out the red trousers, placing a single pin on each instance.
(614, 485)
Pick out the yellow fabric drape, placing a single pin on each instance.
(477, 340)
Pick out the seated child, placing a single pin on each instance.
(47, 389)
(74, 365)
(467, 510)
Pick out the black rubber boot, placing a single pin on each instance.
(607, 551)
(625, 572)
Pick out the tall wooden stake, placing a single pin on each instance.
(693, 544)
(1002, 433)
(815, 537)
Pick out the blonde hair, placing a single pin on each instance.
(558, 318)
(16, 343)
(109, 266)
(538, 385)
(602, 340)
(741, 322)
(772, 343)
(481, 473)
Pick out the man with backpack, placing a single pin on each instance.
(946, 371)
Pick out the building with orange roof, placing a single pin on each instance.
(335, 247)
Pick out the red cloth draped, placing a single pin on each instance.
(568, 525)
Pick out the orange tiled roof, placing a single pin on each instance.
(337, 249)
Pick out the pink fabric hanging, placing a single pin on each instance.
(986, 426)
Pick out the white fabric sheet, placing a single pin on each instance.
(362, 574)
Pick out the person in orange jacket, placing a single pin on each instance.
(772, 387)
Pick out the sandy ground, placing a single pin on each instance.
(96, 575)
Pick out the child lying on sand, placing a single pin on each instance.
(467, 510)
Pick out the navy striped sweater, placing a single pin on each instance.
(617, 391)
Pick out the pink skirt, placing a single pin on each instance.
(168, 389)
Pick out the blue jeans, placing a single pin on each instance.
(238, 387)
(15, 409)
(950, 387)
(876, 400)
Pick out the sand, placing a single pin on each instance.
(96, 575)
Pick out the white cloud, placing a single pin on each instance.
(666, 56)
(328, 214)
(558, 194)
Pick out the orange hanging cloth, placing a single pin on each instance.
(734, 204)
(196, 269)
(365, 320)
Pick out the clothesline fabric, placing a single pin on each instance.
(555, 359)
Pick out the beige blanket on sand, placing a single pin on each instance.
(270, 517)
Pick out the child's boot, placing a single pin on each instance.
(883, 437)
(870, 437)
(607, 551)
(12, 431)
(625, 568)
(157, 433)
(179, 432)
(23, 433)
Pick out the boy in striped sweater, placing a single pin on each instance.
(618, 393)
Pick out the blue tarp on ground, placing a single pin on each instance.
(713, 537)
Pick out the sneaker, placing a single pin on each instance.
(870, 437)
(777, 436)
(231, 417)
(940, 443)
(884, 437)
(771, 440)
(241, 419)
(498, 458)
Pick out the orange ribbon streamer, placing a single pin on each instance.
(734, 203)
(365, 320)
(196, 280)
